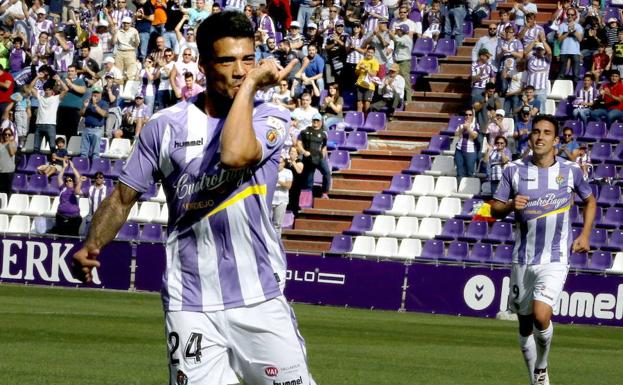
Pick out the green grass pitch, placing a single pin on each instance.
(85, 337)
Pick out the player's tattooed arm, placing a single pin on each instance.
(111, 215)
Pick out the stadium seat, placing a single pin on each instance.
(423, 46)
(409, 249)
(4, 223)
(419, 164)
(481, 253)
(3, 200)
(426, 65)
(503, 254)
(561, 89)
(17, 203)
(34, 161)
(437, 144)
(475, 232)
(19, 224)
(442, 165)
(119, 148)
(615, 133)
(433, 249)
(359, 225)
(578, 261)
(453, 124)
(403, 205)
(468, 188)
(501, 232)
(37, 184)
(598, 238)
(150, 193)
(429, 228)
(383, 225)
(363, 245)
(85, 207)
(444, 48)
(353, 120)
(468, 207)
(444, 186)
(380, 204)
(335, 138)
(594, 131)
(452, 229)
(550, 107)
(600, 152)
(39, 204)
(147, 212)
(163, 218)
(448, 208)
(159, 197)
(131, 88)
(129, 232)
(376, 121)
(576, 125)
(617, 264)
(426, 206)
(399, 184)
(341, 244)
(422, 185)
(457, 251)
(386, 247)
(356, 140)
(29, 146)
(116, 168)
(615, 242)
(339, 159)
(152, 233)
(605, 171)
(406, 227)
(600, 261)
(74, 145)
(51, 213)
(100, 165)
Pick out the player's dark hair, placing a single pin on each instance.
(548, 118)
(219, 25)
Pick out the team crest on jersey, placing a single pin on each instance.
(560, 180)
(277, 130)
(181, 378)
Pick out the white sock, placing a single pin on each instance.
(528, 349)
(543, 339)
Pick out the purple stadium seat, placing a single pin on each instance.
(82, 165)
(423, 46)
(452, 229)
(612, 219)
(468, 206)
(437, 144)
(468, 29)
(427, 65)
(609, 196)
(501, 232)
(415, 15)
(116, 168)
(481, 252)
(615, 244)
(339, 159)
(601, 152)
(335, 139)
(503, 254)
(20, 162)
(578, 261)
(37, 184)
(453, 124)
(34, 161)
(20, 183)
(615, 133)
(605, 171)
(576, 125)
(341, 244)
(444, 48)
(152, 233)
(612, 12)
(475, 232)
(53, 189)
(433, 249)
(380, 203)
(129, 232)
(600, 260)
(598, 238)
(400, 183)
(86, 184)
(457, 251)
(356, 140)
(594, 132)
(419, 164)
(563, 109)
(350, 100)
(414, 78)
(353, 120)
(376, 121)
(360, 224)
(100, 165)
(617, 155)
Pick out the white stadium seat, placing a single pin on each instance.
(119, 148)
(403, 205)
(4, 222)
(39, 204)
(19, 224)
(133, 213)
(53, 208)
(561, 90)
(3, 200)
(383, 225)
(163, 218)
(85, 207)
(131, 88)
(160, 197)
(550, 107)
(409, 249)
(445, 186)
(29, 146)
(147, 212)
(426, 206)
(405, 228)
(386, 247)
(17, 203)
(429, 228)
(442, 165)
(448, 208)
(363, 245)
(468, 188)
(422, 185)
(73, 147)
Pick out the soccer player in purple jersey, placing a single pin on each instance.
(217, 157)
(540, 190)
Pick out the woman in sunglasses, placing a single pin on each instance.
(466, 150)
(8, 148)
(68, 219)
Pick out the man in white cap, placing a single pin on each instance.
(103, 32)
(294, 36)
(109, 69)
(38, 23)
(498, 126)
(134, 118)
(391, 91)
(126, 42)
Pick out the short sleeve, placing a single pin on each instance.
(270, 122)
(142, 167)
(504, 191)
(580, 185)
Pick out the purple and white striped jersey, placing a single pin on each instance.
(63, 58)
(538, 71)
(483, 73)
(543, 229)
(222, 250)
(373, 21)
(531, 34)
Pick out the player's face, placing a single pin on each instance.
(232, 59)
(543, 138)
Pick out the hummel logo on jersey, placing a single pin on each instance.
(198, 142)
(528, 179)
(291, 382)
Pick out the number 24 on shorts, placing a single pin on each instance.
(192, 350)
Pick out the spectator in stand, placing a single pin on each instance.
(186, 40)
(8, 149)
(197, 14)
(48, 109)
(216, 7)
(366, 70)
(585, 98)
(262, 50)
(391, 92)
(157, 54)
(310, 74)
(186, 65)
(593, 15)
(283, 97)
(383, 47)
(164, 95)
(453, 22)
(7, 85)
(304, 113)
(611, 32)
(109, 69)
(95, 52)
(600, 62)
(609, 106)
(488, 42)
(504, 22)
(483, 73)
(335, 48)
(466, 150)
(331, 107)
(312, 143)
(38, 22)
(57, 159)
(94, 111)
(68, 219)
(530, 31)
(497, 158)
(589, 44)
(617, 54)
(127, 40)
(514, 78)
(294, 36)
(41, 51)
(86, 67)
(312, 38)
(538, 62)
(160, 18)
(285, 54)
(119, 12)
(529, 102)
(374, 13)
(144, 16)
(479, 11)
(22, 115)
(174, 15)
(96, 194)
(570, 34)
(433, 20)
(498, 126)
(509, 47)
(489, 100)
(568, 148)
(190, 89)
(403, 45)
(149, 77)
(295, 164)
(584, 161)
(521, 9)
(281, 13)
(110, 94)
(280, 198)
(355, 51)
(105, 37)
(523, 127)
(412, 28)
(70, 105)
(17, 56)
(134, 118)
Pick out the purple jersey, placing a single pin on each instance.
(222, 251)
(543, 230)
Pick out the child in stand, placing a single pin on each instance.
(56, 159)
(17, 56)
(584, 161)
(21, 114)
(432, 19)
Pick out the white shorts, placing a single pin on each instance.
(530, 283)
(260, 343)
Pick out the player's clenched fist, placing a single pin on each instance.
(520, 202)
(269, 72)
(85, 260)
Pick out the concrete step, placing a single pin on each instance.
(318, 235)
(306, 246)
(369, 174)
(443, 85)
(424, 127)
(418, 96)
(460, 77)
(416, 115)
(314, 224)
(434, 106)
(377, 164)
(405, 136)
(328, 215)
(351, 194)
(341, 204)
(341, 183)
(385, 154)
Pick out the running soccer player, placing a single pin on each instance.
(217, 156)
(540, 190)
